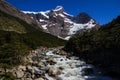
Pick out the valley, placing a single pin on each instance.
(55, 45)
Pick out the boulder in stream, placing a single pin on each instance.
(53, 72)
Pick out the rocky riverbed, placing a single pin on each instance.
(55, 64)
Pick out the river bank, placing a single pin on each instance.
(55, 64)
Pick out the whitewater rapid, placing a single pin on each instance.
(73, 69)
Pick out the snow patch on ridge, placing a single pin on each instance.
(30, 12)
(58, 8)
(59, 18)
(76, 27)
(44, 14)
(61, 15)
(67, 38)
(41, 20)
(68, 21)
(67, 14)
(44, 26)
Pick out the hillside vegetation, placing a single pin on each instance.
(17, 38)
(11, 23)
(101, 48)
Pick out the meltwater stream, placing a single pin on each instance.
(72, 69)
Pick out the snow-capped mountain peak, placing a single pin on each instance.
(30, 12)
(59, 23)
(59, 8)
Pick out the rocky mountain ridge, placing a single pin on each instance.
(11, 10)
(59, 23)
(56, 21)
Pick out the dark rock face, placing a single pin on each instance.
(83, 18)
(59, 23)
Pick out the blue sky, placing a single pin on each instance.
(103, 11)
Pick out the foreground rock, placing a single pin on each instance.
(52, 61)
(19, 73)
(39, 79)
(53, 72)
(54, 64)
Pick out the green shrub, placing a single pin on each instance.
(101, 47)
(7, 76)
(17, 38)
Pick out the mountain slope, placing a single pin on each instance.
(11, 23)
(61, 24)
(11, 10)
(56, 22)
(17, 38)
(101, 47)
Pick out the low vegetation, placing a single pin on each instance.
(7, 76)
(17, 38)
(101, 47)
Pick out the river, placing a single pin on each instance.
(72, 68)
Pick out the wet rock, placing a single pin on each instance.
(34, 51)
(39, 79)
(72, 65)
(53, 72)
(68, 75)
(58, 51)
(28, 79)
(34, 63)
(61, 68)
(68, 57)
(30, 69)
(19, 73)
(38, 73)
(43, 49)
(2, 71)
(59, 78)
(63, 53)
(40, 64)
(88, 71)
(61, 59)
(52, 61)
(33, 76)
(30, 61)
(27, 75)
(23, 68)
